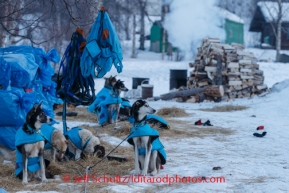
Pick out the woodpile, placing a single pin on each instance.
(228, 65)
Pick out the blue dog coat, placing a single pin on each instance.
(74, 137)
(102, 113)
(101, 96)
(150, 117)
(24, 138)
(140, 130)
(47, 131)
(156, 146)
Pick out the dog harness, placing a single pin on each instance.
(74, 137)
(140, 130)
(47, 131)
(22, 138)
(156, 146)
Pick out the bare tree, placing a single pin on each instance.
(133, 54)
(142, 7)
(44, 23)
(277, 10)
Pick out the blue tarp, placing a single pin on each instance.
(102, 49)
(14, 106)
(5, 73)
(7, 136)
(23, 69)
(25, 79)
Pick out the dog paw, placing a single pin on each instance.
(24, 182)
(143, 173)
(136, 172)
(44, 180)
(153, 173)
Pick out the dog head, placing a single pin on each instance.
(60, 143)
(36, 117)
(99, 151)
(119, 86)
(140, 109)
(110, 82)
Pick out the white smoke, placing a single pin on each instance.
(189, 21)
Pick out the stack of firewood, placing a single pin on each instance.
(228, 65)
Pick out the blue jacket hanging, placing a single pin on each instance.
(102, 49)
(140, 130)
(24, 138)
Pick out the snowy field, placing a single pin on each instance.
(248, 164)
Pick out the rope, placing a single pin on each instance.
(109, 152)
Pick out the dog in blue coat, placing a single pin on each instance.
(149, 152)
(30, 146)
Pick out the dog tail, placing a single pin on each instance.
(7, 154)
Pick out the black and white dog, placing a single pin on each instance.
(30, 146)
(114, 108)
(149, 153)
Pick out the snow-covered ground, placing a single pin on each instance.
(249, 164)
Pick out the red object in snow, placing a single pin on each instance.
(260, 127)
(162, 167)
(198, 122)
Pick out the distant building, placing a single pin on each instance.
(263, 19)
(233, 25)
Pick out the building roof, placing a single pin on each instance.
(229, 15)
(270, 11)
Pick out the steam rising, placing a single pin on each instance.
(189, 21)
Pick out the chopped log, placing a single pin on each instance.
(245, 70)
(233, 65)
(245, 62)
(232, 83)
(238, 87)
(190, 92)
(202, 84)
(233, 73)
(215, 91)
(258, 72)
(243, 53)
(183, 93)
(261, 87)
(210, 68)
(247, 77)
